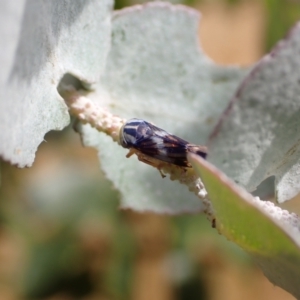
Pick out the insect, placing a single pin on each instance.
(148, 141)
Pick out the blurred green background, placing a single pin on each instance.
(63, 236)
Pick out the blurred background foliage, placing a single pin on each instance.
(279, 15)
(63, 236)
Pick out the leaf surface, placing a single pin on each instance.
(259, 133)
(42, 41)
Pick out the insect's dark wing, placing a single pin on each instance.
(157, 148)
(158, 143)
(164, 146)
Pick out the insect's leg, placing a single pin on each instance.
(144, 159)
(213, 223)
(130, 153)
(161, 173)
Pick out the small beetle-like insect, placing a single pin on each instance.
(140, 136)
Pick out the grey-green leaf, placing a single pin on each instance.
(40, 42)
(259, 136)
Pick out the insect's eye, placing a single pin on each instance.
(122, 140)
